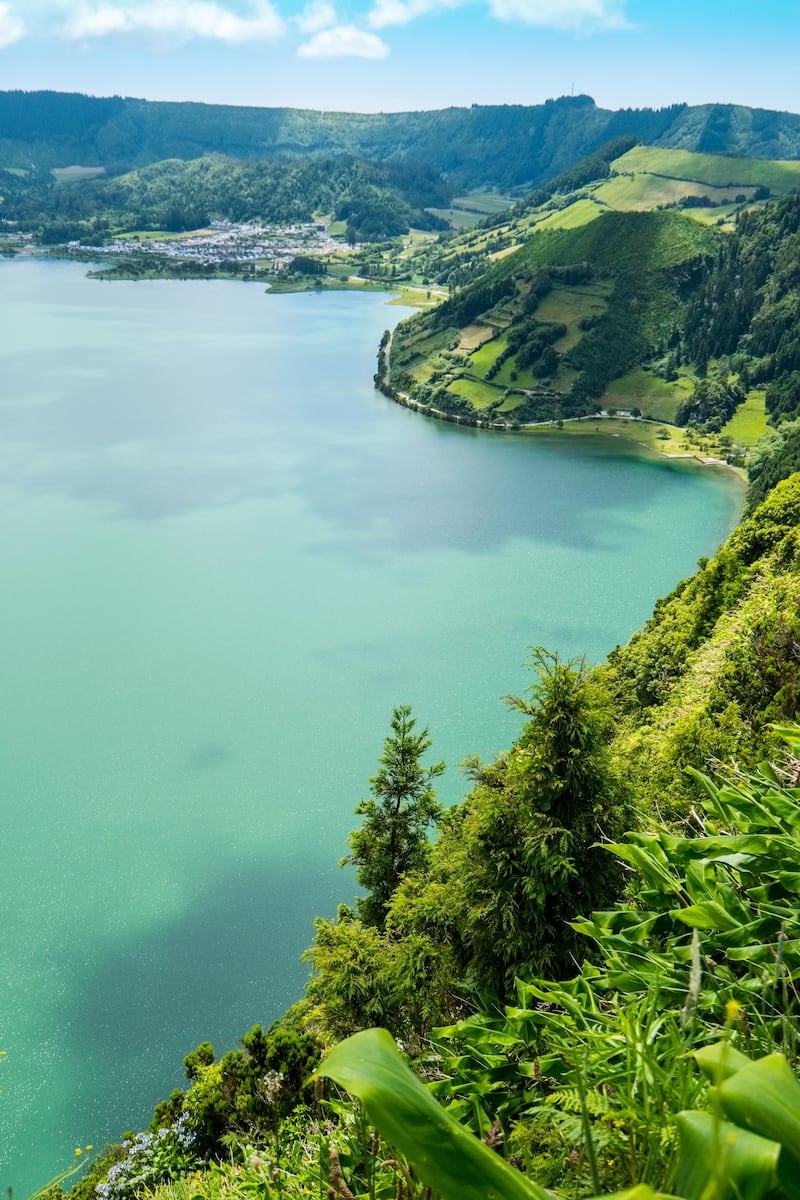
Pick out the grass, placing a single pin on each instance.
(717, 169)
(525, 376)
(642, 191)
(722, 218)
(571, 217)
(486, 203)
(498, 254)
(564, 304)
(485, 356)
(74, 173)
(480, 395)
(657, 438)
(413, 297)
(159, 235)
(571, 305)
(281, 284)
(654, 396)
(510, 403)
(473, 336)
(457, 218)
(749, 422)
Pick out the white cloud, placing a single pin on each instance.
(344, 41)
(319, 14)
(11, 28)
(183, 19)
(557, 14)
(562, 14)
(400, 12)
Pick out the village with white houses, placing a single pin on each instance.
(268, 247)
(224, 242)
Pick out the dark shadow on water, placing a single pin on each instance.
(230, 961)
(207, 756)
(176, 434)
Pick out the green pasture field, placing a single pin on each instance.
(571, 217)
(525, 376)
(415, 297)
(473, 336)
(484, 357)
(510, 403)
(158, 235)
(457, 218)
(749, 422)
(415, 353)
(499, 254)
(321, 283)
(660, 439)
(571, 305)
(643, 191)
(722, 218)
(480, 395)
(74, 174)
(719, 169)
(654, 396)
(486, 203)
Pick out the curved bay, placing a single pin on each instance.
(225, 559)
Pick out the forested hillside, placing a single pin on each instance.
(376, 201)
(678, 298)
(505, 146)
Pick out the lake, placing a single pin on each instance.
(226, 558)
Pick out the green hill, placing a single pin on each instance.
(505, 146)
(544, 330)
(373, 200)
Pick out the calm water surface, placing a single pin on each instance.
(225, 559)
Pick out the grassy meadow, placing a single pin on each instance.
(716, 169)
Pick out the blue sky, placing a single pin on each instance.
(389, 55)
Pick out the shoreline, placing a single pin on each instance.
(620, 429)
(412, 297)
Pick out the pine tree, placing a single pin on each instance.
(393, 838)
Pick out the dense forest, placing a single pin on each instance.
(376, 201)
(505, 146)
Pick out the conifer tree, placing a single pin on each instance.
(393, 838)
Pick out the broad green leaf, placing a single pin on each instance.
(446, 1156)
(762, 952)
(765, 1096)
(744, 1164)
(789, 734)
(708, 915)
(720, 1061)
(640, 1192)
(645, 860)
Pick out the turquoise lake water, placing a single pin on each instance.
(225, 559)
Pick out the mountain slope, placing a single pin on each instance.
(507, 146)
(544, 329)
